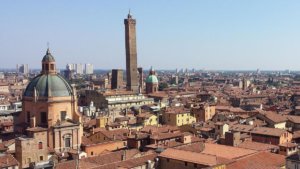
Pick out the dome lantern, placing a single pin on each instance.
(48, 63)
(48, 83)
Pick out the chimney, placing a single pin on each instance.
(129, 133)
(32, 122)
(149, 164)
(123, 156)
(114, 137)
(93, 130)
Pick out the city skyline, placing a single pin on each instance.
(202, 35)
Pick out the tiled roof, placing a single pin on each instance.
(293, 119)
(161, 129)
(257, 146)
(177, 110)
(226, 151)
(273, 116)
(135, 162)
(241, 127)
(262, 160)
(97, 161)
(7, 160)
(296, 134)
(119, 134)
(268, 131)
(193, 157)
(162, 136)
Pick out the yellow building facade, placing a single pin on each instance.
(178, 117)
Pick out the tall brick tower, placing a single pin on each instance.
(131, 54)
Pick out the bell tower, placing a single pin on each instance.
(131, 54)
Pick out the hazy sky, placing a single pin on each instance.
(201, 34)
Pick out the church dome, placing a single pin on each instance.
(48, 57)
(48, 85)
(151, 79)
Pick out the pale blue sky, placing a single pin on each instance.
(210, 34)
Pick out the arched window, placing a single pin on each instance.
(52, 66)
(67, 142)
(40, 145)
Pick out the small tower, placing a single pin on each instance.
(48, 64)
(151, 82)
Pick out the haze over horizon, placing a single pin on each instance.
(212, 35)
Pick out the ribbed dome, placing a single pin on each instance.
(151, 79)
(48, 57)
(48, 85)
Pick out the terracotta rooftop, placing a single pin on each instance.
(102, 161)
(135, 162)
(226, 151)
(241, 128)
(257, 146)
(163, 136)
(161, 129)
(7, 160)
(177, 110)
(268, 131)
(217, 150)
(262, 160)
(296, 134)
(293, 119)
(193, 157)
(273, 116)
(119, 134)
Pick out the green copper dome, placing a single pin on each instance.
(48, 85)
(151, 79)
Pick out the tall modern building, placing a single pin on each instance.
(70, 66)
(79, 69)
(131, 54)
(22, 68)
(89, 68)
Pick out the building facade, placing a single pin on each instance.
(49, 102)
